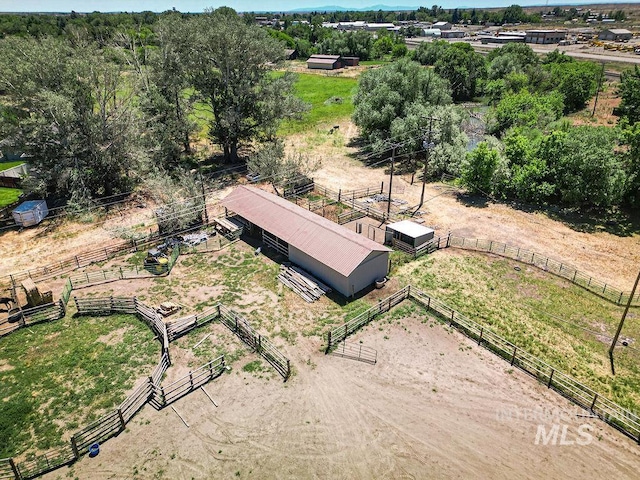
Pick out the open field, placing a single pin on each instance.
(61, 375)
(558, 322)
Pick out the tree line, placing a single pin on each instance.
(532, 152)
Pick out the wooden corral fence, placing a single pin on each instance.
(349, 199)
(241, 327)
(620, 418)
(31, 316)
(167, 394)
(547, 264)
(431, 246)
(183, 325)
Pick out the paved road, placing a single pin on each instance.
(571, 51)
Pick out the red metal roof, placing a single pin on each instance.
(334, 245)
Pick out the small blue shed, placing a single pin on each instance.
(30, 213)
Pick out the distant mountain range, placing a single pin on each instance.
(335, 8)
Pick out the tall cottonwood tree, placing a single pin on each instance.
(231, 68)
(73, 113)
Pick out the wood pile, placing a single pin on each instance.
(309, 288)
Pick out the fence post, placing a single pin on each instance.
(408, 291)
(14, 469)
(328, 342)
(620, 299)
(122, 424)
(593, 404)
(453, 312)
(191, 379)
(481, 332)
(513, 358)
(218, 309)
(550, 378)
(339, 194)
(288, 370)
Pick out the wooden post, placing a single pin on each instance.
(481, 332)
(191, 379)
(339, 194)
(122, 423)
(513, 358)
(550, 378)
(453, 312)
(288, 370)
(593, 404)
(328, 343)
(12, 464)
(620, 299)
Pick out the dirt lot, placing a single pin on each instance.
(434, 406)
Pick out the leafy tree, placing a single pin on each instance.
(428, 53)
(629, 90)
(526, 109)
(588, 172)
(631, 159)
(230, 64)
(479, 169)
(441, 125)
(513, 57)
(271, 163)
(576, 81)
(74, 113)
(386, 93)
(463, 68)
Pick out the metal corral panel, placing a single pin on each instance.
(30, 213)
(329, 243)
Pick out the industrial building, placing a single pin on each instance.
(545, 36)
(616, 35)
(342, 259)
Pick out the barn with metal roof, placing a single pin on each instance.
(346, 261)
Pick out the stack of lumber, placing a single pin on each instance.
(309, 288)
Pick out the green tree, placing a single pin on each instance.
(576, 81)
(526, 109)
(428, 53)
(230, 65)
(463, 68)
(75, 114)
(479, 169)
(513, 57)
(629, 90)
(386, 93)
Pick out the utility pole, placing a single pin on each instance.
(427, 145)
(393, 159)
(595, 102)
(624, 316)
(204, 196)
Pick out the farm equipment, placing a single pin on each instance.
(156, 261)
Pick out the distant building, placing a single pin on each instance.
(290, 54)
(451, 34)
(351, 61)
(432, 32)
(379, 26)
(616, 35)
(545, 36)
(502, 39)
(442, 25)
(324, 62)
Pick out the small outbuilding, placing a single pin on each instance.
(30, 213)
(616, 35)
(342, 259)
(324, 62)
(442, 25)
(452, 33)
(411, 233)
(351, 61)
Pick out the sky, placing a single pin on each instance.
(243, 5)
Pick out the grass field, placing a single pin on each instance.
(9, 196)
(57, 377)
(330, 97)
(559, 322)
(7, 165)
